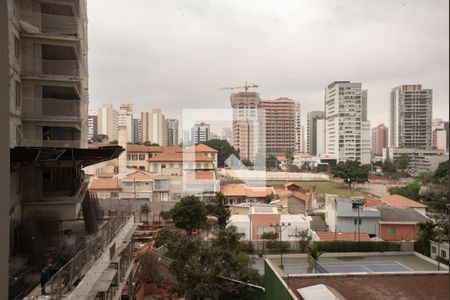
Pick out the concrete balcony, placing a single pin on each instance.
(48, 69)
(66, 207)
(36, 22)
(51, 109)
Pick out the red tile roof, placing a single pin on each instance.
(143, 148)
(241, 190)
(139, 176)
(105, 184)
(400, 201)
(342, 236)
(373, 202)
(204, 148)
(200, 175)
(299, 195)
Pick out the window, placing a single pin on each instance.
(443, 254)
(141, 156)
(261, 230)
(433, 250)
(134, 156)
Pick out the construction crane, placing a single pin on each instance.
(246, 86)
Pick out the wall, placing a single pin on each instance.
(407, 232)
(275, 286)
(262, 220)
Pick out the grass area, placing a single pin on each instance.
(323, 187)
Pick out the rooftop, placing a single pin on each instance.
(138, 176)
(105, 184)
(400, 214)
(380, 286)
(400, 201)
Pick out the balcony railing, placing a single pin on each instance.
(49, 107)
(37, 22)
(36, 66)
(52, 143)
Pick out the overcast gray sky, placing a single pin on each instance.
(175, 54)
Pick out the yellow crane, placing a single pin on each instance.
(246, 86)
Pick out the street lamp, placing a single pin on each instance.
(281, 227)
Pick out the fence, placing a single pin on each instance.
(66, 277)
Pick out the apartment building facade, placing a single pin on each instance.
(279, 122)
(108, 121)
(347, 130)
(200, 133)
(410, 117)
(440, 135)
(246, 133)
(315, 142)
(172, 132)
(125, 119)
(154, 127)
(380, 139)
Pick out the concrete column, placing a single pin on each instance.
(4, 149)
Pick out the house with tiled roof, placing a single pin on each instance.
(236, 193)
(295, 199)
(399, 223)
(401, 201)
(106, 187)
(137, 185)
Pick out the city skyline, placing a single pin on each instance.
(169, 78)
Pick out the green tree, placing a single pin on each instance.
(272, 163)
(388, 166)
(200, 267)
(402, 162)
(218, 208)
(427, 233)
(269, 198)
(113, 142)
(269, 238)
(224, 148)
(410, 191)
(306, 167)
(246, 162)
(351, 171)
(314, 253)
(189, 214)
(442, 170)
(149, 143)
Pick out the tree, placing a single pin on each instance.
(189, 214)
(351, 171)
(388, 166)
(427, 233)
(271, 237)
(246, 162)
(224, 148)
(314, 253)
(113, 142)
(272, 163)
(402, 162)
(145, 209)
(217, 208)
(269, 198)
(306, 167)
(166, 215)
(200, 267)
(410, 191)
(303, 239)
(442, 170)
(149, 143)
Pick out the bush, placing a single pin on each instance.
(351, 246)
(275, 245)
(247, 247)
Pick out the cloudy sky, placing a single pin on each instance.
(175, 54)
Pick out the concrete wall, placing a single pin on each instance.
(4, 149)
(406, 232)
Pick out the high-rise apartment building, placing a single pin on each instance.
(410, 117)
(279, 123)
(172, 132)
(125, 119)
(137, 131)
(379, 139)
(246, 128)
(347, 130)
(299, 130)
(108, 121)
(315, 142)
(44, 128)
(200, 133)
(440, 135)
(154, 127)
(92, 125)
